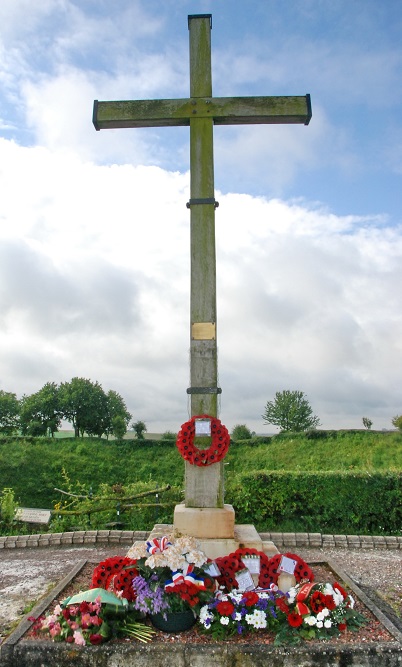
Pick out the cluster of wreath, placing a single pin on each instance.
(203, 457)
(116, 574)
(269, 573)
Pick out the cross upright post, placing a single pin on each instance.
(203, 486)
(201, 111)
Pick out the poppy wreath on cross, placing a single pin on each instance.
(203, 457)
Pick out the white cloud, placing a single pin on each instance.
(94, 279)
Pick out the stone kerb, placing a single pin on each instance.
(42, 654)
(127, 537)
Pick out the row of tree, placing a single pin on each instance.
(93, 412)
(81, 402)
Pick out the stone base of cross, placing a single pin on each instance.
(204, 514)
(215, 531)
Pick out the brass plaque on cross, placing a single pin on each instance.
(203, 331)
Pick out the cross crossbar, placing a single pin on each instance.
(222, 110)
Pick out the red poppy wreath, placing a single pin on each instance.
(203, 457)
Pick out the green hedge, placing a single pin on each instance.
(326, 502)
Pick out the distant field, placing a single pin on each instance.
(130, 435)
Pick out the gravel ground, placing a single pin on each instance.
(27, 574)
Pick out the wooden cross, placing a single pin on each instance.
(201, 111)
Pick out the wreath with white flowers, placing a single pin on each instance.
(203, 457)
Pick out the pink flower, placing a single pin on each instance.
(97, 605)
(78, 638)
(96, 620)
(85, 620)
(54, 629)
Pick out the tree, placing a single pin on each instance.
(9, 412)
(397, 422)
(367, 423)
(291, 411)
(118, 416)
(40, 413)
(84, 404)
(241, 432)
(168, 435)
(139, 429)
(119, 427)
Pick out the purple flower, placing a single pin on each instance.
(148, 600)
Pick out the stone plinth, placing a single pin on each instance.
(204, 522)
(215, 531)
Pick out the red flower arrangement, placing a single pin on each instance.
(316, 611)
(228, 566)
(191, 594)
(203, 457)
(264, 579)
(269, 571)
(302, 571)
(116, 574)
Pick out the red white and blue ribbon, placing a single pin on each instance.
(156, 546)
(187, 576)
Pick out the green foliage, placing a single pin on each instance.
(241, 432)
(367, 423)
(118, 416)
(320, 450)
(132, 506)
(80, 401)
(397, 422)
(84, 404)
(40, 413)
(36, 467)
(9, 412)
(118, 427)
(8, 507)
(327, 502)
(291, 411)
(169, 435)
(139, 429)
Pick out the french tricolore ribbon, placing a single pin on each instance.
(156, 546)
(185, 577)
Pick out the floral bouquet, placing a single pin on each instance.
(91, 621)
(316, 611)
(169, 576)
(238, 613)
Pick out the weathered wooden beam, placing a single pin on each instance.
(259, 110)
(222, 110)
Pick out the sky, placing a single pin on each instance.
(94, 229)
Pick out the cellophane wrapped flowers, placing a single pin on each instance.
(90, 623)
(316, 611)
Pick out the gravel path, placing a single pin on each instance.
(27, 574)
